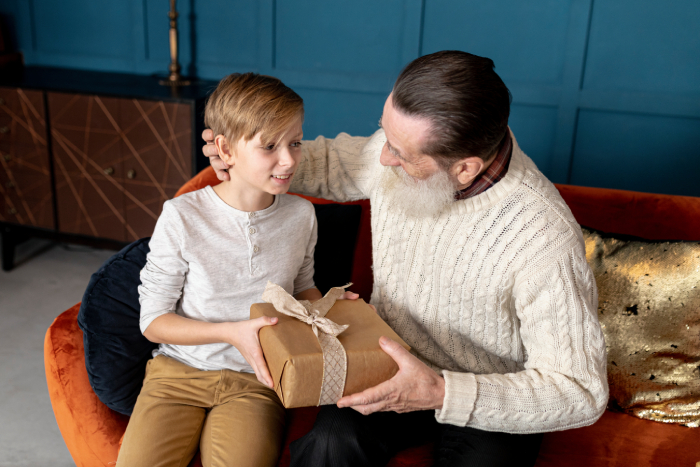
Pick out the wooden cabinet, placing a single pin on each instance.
(25, 176)
(89, 155)
(117, 161)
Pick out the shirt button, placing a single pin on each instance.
(251, 230)
(255, 249)
(251, 214)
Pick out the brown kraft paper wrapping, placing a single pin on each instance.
(294, 355)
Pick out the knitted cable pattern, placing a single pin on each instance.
(494, 292)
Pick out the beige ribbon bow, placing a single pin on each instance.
(335, 363)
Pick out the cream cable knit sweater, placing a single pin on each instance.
(495, 293)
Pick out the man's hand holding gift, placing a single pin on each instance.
(414, 387)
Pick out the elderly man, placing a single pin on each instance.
(479, 266)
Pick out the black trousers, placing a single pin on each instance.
(344, 437)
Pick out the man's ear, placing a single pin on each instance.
(467, 169)
(226, 152)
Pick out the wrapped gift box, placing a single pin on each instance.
(295, 360)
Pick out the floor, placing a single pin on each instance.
(47, 279)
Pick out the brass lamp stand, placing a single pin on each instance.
(174, 79)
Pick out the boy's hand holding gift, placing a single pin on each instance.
(244, 336)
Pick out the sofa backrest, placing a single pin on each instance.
(645, 215)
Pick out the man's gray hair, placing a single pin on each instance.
(461, 95)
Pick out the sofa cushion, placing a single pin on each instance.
(649, 308)
(115, 350)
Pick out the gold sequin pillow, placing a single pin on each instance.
(649, 308)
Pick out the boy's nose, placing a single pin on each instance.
(286, 158)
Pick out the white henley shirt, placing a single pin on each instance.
(211, 262)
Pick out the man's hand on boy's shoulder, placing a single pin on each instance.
(209, 150)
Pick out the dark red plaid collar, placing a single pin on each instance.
(496, 171)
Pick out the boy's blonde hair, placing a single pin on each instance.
(243, 105)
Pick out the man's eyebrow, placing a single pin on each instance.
(395, 151)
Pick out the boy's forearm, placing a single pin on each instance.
(174, 329)
(178, 330)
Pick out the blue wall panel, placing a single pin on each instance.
(339, 37)
(97, 31)
(633, 152)
(328, 113)
(593, 81)
(227, 35)
(644, 46)
(525, 39)
(534, 128)
(93, 34)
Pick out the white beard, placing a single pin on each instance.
(417, 198)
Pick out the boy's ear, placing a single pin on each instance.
(225, 150)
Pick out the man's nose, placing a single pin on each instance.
(386, 158)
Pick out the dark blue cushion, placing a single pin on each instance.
(116, 352)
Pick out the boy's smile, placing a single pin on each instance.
(283, 179)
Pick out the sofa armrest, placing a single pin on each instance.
(90, 429)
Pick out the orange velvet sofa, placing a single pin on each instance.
(93, 432)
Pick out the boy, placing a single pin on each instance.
(212, 252)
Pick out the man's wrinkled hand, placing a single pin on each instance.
(210, 151)
(413, 387)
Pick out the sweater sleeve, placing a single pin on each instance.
(564, 381)
(163, 276)
(341, 169)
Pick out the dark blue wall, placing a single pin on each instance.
(605, 92)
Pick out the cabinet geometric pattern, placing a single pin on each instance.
(25, 176)
(117, 161)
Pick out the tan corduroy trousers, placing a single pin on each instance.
(233, 418)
